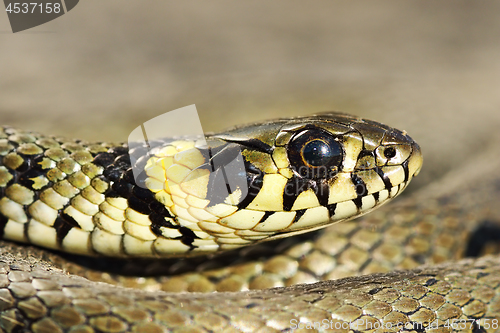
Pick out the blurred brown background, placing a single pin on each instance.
(432, 68)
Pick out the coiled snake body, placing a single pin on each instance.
(295, 175)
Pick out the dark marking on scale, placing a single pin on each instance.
(63, 224)
(158, 222)
(104, 159)
(322, 192)
(3, 223)
(358, 202)
(255, 181)
(331, 210)
(293, 188)
(27, 178)
(252, 143)
(361, 190)
(188, 237)
(138, 205)
(298, 215)
(159, 209)
(227, 173)
(385, 179)
(266, 215)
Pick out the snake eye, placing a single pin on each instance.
(390, 152)
(314, 153)
(318, 152)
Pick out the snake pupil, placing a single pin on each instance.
(317, 153)
(314, 153)
(389, 152)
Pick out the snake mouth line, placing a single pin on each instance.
(344, 210)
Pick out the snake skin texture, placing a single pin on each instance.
(439, 223)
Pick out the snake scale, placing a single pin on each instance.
(300, 174)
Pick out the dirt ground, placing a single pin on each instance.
(431, 68)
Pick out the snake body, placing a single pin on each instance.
(37, 297)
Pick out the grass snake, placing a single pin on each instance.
(301, 174)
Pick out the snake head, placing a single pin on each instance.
(287, 176)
